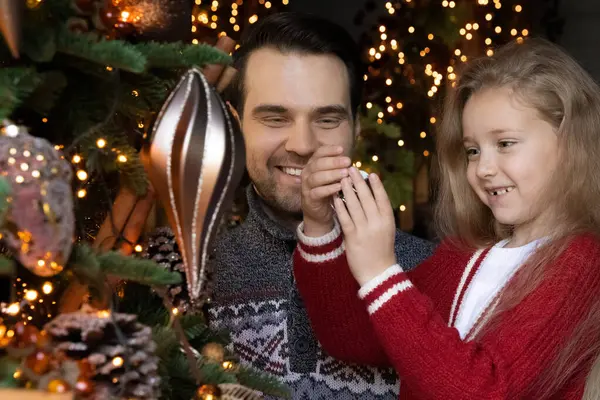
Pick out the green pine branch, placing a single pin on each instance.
(194, 326)
(90, 266)
(145, 272)
(369, 122)
(7, 266)
(213, 373)
(179, 55)
(133, 174)
(143, 93)
(8, 367)
(102, 161)
(39, 42)
(145, 303)
(47, 93)
(199, 334)
(5, 191)
(263, 382)
(399, 188)
(60, 10)
(16, 84)
(84, 264)
(114, 53)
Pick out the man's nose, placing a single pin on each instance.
(302, 140)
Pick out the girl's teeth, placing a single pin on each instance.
(502, 191)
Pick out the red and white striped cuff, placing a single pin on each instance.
(384, 287)
(321, 249)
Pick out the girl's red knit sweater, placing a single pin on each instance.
(405, 319)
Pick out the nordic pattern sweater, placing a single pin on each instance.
(256, 300)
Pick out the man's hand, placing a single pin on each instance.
(367, 221)
(320, 181)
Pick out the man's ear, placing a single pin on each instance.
(234, 112)
(357, 126)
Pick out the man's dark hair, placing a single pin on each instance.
(305, 34)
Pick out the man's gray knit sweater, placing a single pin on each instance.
(255, 299)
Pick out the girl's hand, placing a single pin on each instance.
(367, 221)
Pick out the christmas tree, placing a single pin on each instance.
(81, 86)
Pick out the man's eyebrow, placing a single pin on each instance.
(332, 109)
(269, 108)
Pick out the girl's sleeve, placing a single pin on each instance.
(428, 355)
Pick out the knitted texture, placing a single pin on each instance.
(404, 321)
(255, 298)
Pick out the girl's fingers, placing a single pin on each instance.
(381, 198)
(344, 218)
(364, 195)
(353, 204)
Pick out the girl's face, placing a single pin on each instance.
(512, 154)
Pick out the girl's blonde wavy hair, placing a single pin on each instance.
(548, 80)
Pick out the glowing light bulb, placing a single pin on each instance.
(31, 295)
(47, 288)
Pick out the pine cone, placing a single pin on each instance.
(123, 359)
(162, 248)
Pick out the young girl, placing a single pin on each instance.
(508, 307)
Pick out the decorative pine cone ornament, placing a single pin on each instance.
(162, 248)
(119, 350)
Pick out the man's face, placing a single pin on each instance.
(294, 103)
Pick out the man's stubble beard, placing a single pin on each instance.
(284, 199)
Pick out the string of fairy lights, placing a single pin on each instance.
(478, 36)
(229, 18)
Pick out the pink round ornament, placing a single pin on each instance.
(40, 222)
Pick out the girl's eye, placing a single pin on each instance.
(506, 143)
(471, 152)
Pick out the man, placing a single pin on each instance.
(299, 87)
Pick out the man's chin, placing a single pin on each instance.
(283, 198)
(288, 203)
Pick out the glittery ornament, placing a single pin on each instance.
(84, 386)
(38, 362)
(214, 352)
(40, 224)
(25, 335)
(208, 392)
(58, 386)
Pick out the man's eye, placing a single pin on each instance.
(274, 121)
(329, 123)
